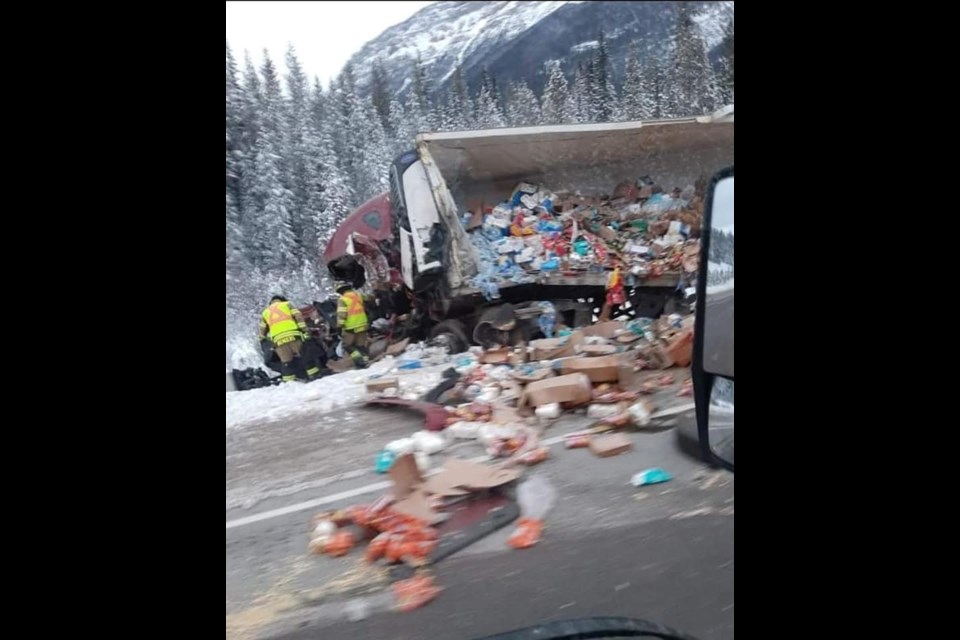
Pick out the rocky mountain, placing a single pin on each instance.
(514, 40)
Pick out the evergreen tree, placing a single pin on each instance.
(581, 97)
(250, 203)
(457, 113)
(298, 122)
(656, 83)
(489, 114)
(691, 87)
(638, 98)
(275, 238)
(420, 88)
(603, 91)
(726, 53)
(370, 152)
(523, 108)
(380, 93)
(398, 120)
(557, 107)
(318, 105)
(234, 168)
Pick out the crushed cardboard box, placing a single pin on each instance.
(377, 385)
(608, 445)
(597, 369)
(553, 348)
(569, 390)
(496, 356)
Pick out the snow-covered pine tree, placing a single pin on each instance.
(398, 120)
(556, 104)
(235, 255)
(458, 109)
(489, 115)
(330, 197)
(380, 93)
(523, 107)
(336, 198)
(371, 153)
(297, 120)
(691, 85)
(277, 241)
(341, 102)
(417, 116)
(655, 81)
(421, 91)
(726, 53)
(633, 89)
(604, 93)
(318, 104)
(580, 97)
(251, 206)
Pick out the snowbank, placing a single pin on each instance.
(720, 288)
(322, 396)
(243, 352)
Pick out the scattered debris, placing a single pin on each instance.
(415, 592)
(536, 497)
(608, 445)
(654, 475)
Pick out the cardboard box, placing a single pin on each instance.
(496, 356)
(404, 475)
(591, 350)
(396, 348)
(597, 369)
(603, 329)
(381, 384)
(541, 374)
(680, 349)
(471, 475)
(610, 445)
(417, 505)
(570, 390)
(553, 348)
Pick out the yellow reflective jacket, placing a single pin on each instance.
(283, 323)
(351, 316)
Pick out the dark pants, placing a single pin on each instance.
(297, 361)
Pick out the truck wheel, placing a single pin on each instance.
(451, 334)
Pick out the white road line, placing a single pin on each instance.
(379, 486)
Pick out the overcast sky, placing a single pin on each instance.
(325, 34)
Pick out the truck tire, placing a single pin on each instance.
(451, 334)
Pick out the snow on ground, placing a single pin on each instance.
(244, 353)
(719, 277)
(270, 404)
(720, 288)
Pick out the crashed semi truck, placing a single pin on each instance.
(416, 242)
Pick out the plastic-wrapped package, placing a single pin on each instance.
(536, 497)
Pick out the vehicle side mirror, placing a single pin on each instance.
(713, 335)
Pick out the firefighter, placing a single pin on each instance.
(287, 330)
(352, 320)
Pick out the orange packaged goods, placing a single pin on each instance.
(527, 534)
(339, 544)
(377, 547)
(536, 456)
(402, 538)
(577, 441)
(414, 592)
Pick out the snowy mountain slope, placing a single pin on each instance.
(514, 39)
